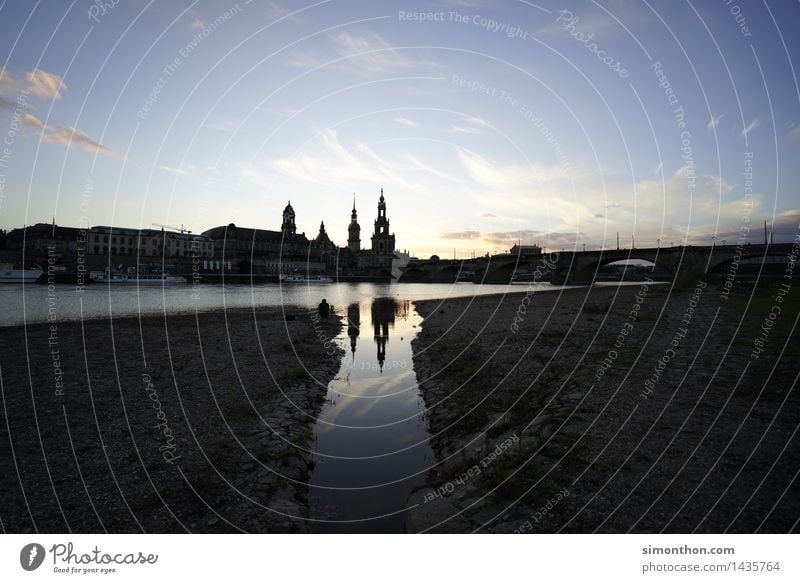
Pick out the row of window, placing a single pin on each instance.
(152, 252)
(156, 241)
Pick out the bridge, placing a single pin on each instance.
(686, 264)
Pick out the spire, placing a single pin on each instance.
(354, 202)
(382, 194)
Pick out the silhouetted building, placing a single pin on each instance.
(525, 250)
(39, 239)
(382, 241)
(354, 231)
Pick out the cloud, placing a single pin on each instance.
(197, 24)
(476, 120)
(406, 122)
(488, 216)
(32, 121)
(371, 53)
(714, 121)
(45, 85)
(67, 136)
(37, 82)
(461, 235)
(794, 135)
(750, 127)
(783, 229)
(364, 54)
(332, 162)
(463, 130)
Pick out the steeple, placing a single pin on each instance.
(382, 240)
(322, 239)
(354, 230)
(288, 227)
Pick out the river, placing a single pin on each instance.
(371, 439)
(33, 302)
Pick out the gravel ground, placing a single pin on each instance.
(164, 424)
(562, 422)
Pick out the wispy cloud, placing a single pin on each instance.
(749, 128)
(461, 235)
(714, 121)
(370, 53)
(406, 122)
(45, 85)
(463, 130)
(794, 135)
(365, 54)
(332, 162)
(37, 82)
(67, 136)
(474, 125)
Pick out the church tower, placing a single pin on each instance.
(288, 226)
(354, 230)
(322, 239)
(382, 241)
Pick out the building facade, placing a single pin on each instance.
(121, 241)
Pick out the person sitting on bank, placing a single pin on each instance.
(324, 309)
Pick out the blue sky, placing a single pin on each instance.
(485, 122)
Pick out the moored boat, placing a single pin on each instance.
(9, 274)
(285, 278)
(139, 279)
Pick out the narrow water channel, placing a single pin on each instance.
(371, 440)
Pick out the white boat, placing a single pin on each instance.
(142, 279)
(10, 275)
(285, 278)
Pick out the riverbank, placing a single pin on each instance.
(163, 424)
(611, 410)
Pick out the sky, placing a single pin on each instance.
(486, 123)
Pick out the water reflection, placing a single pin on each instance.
(371, 441)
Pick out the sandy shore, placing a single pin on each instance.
(611, 410)
(173, 424)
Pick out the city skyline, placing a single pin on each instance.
(487, 125)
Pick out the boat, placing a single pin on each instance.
(139, 279)
(286, 278)
(8, 274)
(465, 276)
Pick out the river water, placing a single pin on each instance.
(371, 439)
(32, 302)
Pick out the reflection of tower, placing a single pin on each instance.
(353, 324)
(383, 310)
(354, 230)
(288, 226)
